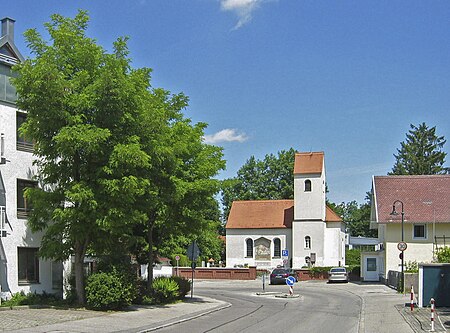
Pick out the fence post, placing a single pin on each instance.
(432, 314)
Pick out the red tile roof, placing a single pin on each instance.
(306, 163)
(331, 216)
(425, 198)
(266, 214)
(261, 214)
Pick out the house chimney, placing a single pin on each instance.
(8, 28)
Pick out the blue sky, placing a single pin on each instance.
(343, 77)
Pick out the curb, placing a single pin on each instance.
(190, 317)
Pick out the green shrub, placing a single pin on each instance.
(21, 298)
(412, 267)
(109, 291)
(354, 270)
(317, 271)
(165, 290)
(353, 257)
(184, 286)
(443, 254)
(17, 299)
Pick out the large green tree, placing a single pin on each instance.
(268, 179)
(116, 158)
(421, 153)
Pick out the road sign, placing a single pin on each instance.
(285, 253)
(290, 280)
(193, 251)
(177, 258)
(401, 246)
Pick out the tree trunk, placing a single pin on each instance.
(80, 252)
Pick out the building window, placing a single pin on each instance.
(307, 242)
(23, 204)
(249, 243)
(28, 263)
(419, 231)
(22, 143)
(277, 248)
(7, 90)
(308, 186)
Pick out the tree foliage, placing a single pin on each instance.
(421, 153)
(118, 163)
(356, 216)
(268, 179)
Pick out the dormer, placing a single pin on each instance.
(309, 186)
(9, 54)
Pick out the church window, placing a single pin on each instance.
(249, 243)
(308, 186)
(277, 248)
(307, 242)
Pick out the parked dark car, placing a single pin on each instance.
(279, 275)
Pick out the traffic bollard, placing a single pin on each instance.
(412, 298)
(432, 315)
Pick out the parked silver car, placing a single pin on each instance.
(338, 274)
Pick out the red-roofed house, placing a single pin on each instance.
(302, 231)
(426, 206)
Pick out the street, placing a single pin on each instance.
(320, 307)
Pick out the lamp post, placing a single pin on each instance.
(394, 212)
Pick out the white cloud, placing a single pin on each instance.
(242, 8)
(225, 135)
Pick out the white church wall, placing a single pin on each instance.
(315, 230)
(334, 245)
(236, 248)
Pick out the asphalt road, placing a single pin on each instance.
(328, 308)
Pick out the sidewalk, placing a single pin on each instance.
(420, 318)
(136, 319)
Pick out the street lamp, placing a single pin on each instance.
(394, 212)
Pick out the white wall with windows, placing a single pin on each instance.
(248, 247)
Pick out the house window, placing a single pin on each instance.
(277, 248)
(307, 242)
(308, 185)
(23, 204)
(7, 90)
(22, 143)
(249, 243)
(419, 231)
(28, 263)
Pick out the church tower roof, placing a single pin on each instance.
(308, 163)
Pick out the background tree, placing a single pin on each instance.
(356, 216)
(421, 153)
(268, 179)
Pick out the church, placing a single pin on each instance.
(297, 233)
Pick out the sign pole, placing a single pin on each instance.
(192, 287)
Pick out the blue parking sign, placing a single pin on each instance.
(285, 253)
